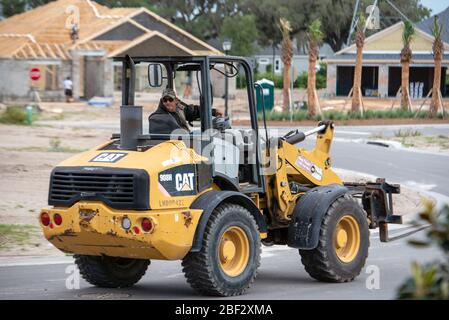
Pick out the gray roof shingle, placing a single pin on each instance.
(426, 25)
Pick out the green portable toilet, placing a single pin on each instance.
(268, 94)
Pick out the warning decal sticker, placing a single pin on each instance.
(310, 167)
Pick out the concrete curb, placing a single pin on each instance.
(386, 143)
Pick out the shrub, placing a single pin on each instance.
(336, 115)
(277, 79)
(431, 280)
(13, 115)
(321, 78)
(407, 133)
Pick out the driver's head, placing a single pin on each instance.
(169, 99)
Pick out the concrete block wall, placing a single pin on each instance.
(76, 73)
(14, 83)
(108, 84)
(383, 80)
(331, 80)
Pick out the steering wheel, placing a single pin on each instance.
(221, 123)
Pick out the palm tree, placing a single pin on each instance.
(359, 42)
(438, 49)
(315, 37)
(287, 55)
(406, 57)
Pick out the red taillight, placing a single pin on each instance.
(45, 219)
(57, 219)
(147, 225)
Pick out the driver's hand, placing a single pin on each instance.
(217, 113)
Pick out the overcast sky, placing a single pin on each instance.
(436, 5)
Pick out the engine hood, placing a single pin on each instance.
(158, 158)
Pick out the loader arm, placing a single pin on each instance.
(300, 169)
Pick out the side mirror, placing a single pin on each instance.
(155, 75)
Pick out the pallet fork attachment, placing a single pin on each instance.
(377, 200)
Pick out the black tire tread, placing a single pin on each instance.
(197, 267)
(93, 271)
(316, 261)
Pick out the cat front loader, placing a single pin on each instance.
(209, 197)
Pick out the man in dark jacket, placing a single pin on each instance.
(172, 114)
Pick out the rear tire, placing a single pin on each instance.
(343, 243)
(229, 257)
(111, 272)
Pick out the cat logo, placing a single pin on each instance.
(184, 181)
(178, 181)
(108, 157)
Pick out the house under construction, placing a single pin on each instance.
(77, 39)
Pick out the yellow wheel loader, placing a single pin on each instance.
(209, 196)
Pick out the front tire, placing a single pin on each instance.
(343, 243)
(229, 257)
(111, 272)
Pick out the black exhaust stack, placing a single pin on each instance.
(130, 115)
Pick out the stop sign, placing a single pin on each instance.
(35, 74)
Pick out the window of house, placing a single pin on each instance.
(277, 65)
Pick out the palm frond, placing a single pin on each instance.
(285, 27)
(314, 31)
(437, 28)
(361, 22)
(407, 33)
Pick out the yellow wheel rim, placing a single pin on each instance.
(233, 251)
(347, 239)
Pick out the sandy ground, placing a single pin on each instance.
(238, 108)
(28, 154)
(436, 144)
(406, 204)
(26, 160)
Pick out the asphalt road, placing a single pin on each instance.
(425, 171)
(281, 274)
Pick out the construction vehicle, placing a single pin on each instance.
(141, 196)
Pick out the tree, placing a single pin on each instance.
(267, 13)
(315, 36)
(438, 49)
(120, 3)
(242, 30)
(12, 7)
(287, 55)
(356, 88)
(431, 280)
(406, 57)
(204, 19)
(336, 26)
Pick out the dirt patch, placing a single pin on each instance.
(435, 144)
(26, 160)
